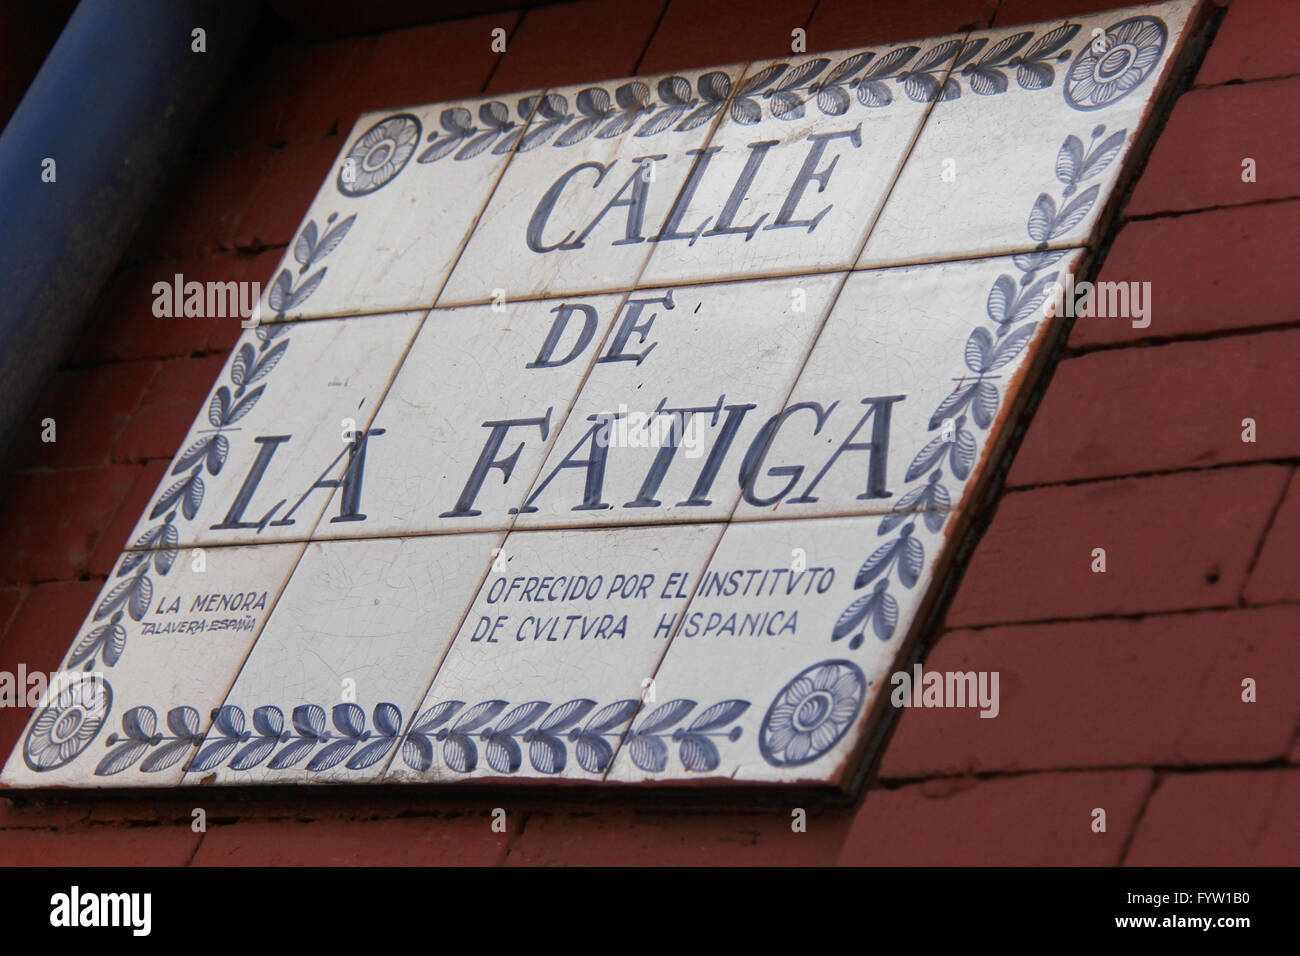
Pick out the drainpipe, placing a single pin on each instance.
(112, 106)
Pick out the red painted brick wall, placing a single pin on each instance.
(1120, 690)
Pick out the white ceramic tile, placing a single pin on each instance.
(153, 659)
(725, 356)
(478, 387)
(349, 652)
(596, 177)
(907, 385)
(782, 651)
(1028, 148)
(290, 409)
(390, 220)
(802, 161)
(551, 660)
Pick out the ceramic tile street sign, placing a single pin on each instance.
(621, 434)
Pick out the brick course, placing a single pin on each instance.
(1197, 163)
(1040, 819)
(1161, 691)
(1255, 42)
(1035, 562)
(1164, 408)
(1237, 818)
(1196, 265)
(418, 841)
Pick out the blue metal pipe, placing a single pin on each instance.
(112, 106)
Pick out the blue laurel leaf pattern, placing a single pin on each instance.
(1014, 309)
(387, 721)
(309, 721)
(648, 752)
(293, 752)
(781, 90)
(546, 750)
(253, 753)
(592, 750)
(333, 754)
(719, 715)
(458, 748)
(417, 746)
(156, 548)
(107, 640)
(665, 715)
(503, 752)
(646, 745)
(490, 731)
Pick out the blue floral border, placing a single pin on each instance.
(466, 736)
(158, 548)
(1010, 309)
(1094, 79)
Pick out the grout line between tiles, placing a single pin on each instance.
(397, 368)
(559, 429)
(508, 530)
(637, 284)
(284, 585)
(794, 382)
(1051, 352)
(401, 362)
(731, 279)
(981, 253)
(239, 670)
(563, 526)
